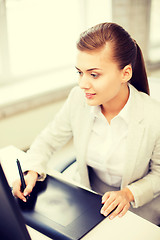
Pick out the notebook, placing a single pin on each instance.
(62, 210)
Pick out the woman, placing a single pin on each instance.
(113, 122)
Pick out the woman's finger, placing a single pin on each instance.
(124, 210)
(105, 197)
(117, 211)
(30, 180)
(109, 207)
(17, 190)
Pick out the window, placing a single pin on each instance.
(154, 48)
(39, 36)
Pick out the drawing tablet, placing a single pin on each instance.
(61, 210)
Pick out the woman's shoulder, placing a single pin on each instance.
(77, 95)
(145, 99)
(76, 90)
(76, 100)
(150, 102)
(149, 106)
(151, 109)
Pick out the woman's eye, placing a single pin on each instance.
(94, 75)
(79, 73)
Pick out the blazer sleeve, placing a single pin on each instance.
(148, 187)
(53, 137)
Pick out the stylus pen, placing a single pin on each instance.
(23, 184)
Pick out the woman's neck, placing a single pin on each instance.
(114, 106)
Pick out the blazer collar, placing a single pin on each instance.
(136, 109)
(135, 135)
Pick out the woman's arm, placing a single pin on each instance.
(148, 187)
(52, 138)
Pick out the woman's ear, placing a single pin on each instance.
(126, 73)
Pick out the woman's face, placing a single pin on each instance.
(99, 76)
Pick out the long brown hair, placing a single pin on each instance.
(125, 50)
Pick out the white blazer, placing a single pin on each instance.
(142, 162)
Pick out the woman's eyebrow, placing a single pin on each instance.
(88, 70)
(77, 68)
(92, 69)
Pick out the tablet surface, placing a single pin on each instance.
(62, 210)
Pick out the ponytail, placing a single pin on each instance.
(139, 78)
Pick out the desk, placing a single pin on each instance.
(129, 227)
(35, 235)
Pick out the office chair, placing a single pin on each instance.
(63, 166)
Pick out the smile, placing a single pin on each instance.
(90, 95)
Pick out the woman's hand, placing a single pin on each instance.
(30, 180)
(118, 202)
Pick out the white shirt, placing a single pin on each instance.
(107, 145)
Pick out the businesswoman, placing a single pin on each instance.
(114, 123)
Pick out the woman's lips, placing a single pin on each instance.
(89, 95)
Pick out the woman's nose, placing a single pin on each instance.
(84, 83)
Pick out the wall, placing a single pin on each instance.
(134, 16)
(21, 129)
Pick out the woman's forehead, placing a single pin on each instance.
(94, 59)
